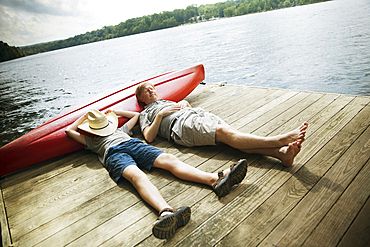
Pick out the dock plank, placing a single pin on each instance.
(71, 200)
(358, 233)
(265, 218)
(206, 233)
(5, 235)
(333, 226)
(171, 242)
(303, 219)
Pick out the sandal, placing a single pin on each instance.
(237, 173)
(167, 225)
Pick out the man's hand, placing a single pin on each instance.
(151, 131)
(169, 109)
(183, 104)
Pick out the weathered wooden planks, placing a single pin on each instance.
(5, 236)
(265, 218)
(72, 201)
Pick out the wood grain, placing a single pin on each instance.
(322, 200)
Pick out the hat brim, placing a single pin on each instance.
(111, 127)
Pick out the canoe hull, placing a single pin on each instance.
(49, 139)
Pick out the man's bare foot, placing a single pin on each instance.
(297, 135)
(288, 153)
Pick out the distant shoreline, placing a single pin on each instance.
(167, 19)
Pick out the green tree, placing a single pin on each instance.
(285, 4)
(252, 7)
(207, 11)
(169, 22)
(179, 15)
(155, 25)
(242, 9)
(230, 11)
(9, 52)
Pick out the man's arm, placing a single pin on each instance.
(72, 132)
(150, 132)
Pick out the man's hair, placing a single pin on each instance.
(139, 91)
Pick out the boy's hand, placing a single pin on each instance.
(108, 111)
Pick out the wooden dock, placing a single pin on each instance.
(322, 200)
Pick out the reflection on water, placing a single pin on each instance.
(322, 47)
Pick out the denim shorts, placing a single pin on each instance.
(132, 152)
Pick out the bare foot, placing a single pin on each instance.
(288, 153)
(297, 135)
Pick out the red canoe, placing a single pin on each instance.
(49, 139)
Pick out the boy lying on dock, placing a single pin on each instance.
(190, 127)
(124, 157)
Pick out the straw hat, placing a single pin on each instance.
(100, 124)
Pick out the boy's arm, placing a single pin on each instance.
(72, 132)
(133, 117)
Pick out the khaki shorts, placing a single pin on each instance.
(196, 127)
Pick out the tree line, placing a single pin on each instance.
(10, 52)
(166, 19)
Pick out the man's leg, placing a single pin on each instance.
(285, 154)
(244, 141)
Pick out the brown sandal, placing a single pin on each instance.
(224, 183)
(167, 225)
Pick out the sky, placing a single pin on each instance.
(27, 22)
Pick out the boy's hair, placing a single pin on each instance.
(139, 91)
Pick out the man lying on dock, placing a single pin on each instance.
(195, 127)
(124, 157)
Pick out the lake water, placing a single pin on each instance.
(321, 47)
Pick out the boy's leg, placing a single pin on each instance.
(184, 171)
(146, 189)
(147, 157)
(219, 182)
(169, 219)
